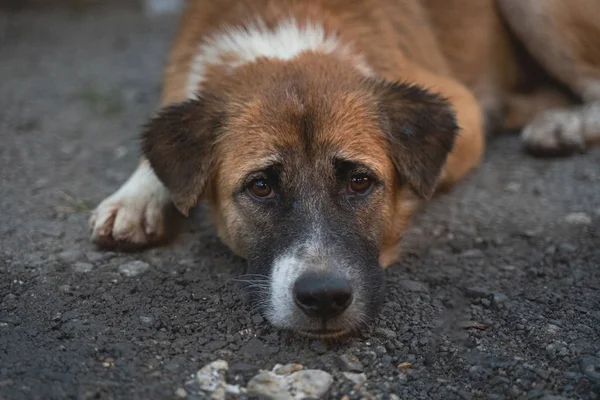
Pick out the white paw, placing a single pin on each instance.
(135, 214)
(555, 133)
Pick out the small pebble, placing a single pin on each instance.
(69, 256)
(499, 298)
(305, 384)
(318, 347)
(472, 253)
(82, 267)
(269, 386)
(590, 366)
(349, 362)
(134, 268)
(578, 218)
(413, 286)
(405, 365)
(386, 333)
(96, 256)
(211, 378)
(215, 345)
(287, 369)
(552, 329)
(477, 292)
(359, 379)
(513, 187)
(309, 384)
(147, 320)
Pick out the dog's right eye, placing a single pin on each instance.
(260, 188)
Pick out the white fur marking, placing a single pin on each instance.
(134, 211)
(145, 185)
(286, 270)
(286, 41)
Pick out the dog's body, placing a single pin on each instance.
(286, 116)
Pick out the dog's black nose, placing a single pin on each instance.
(321, 295)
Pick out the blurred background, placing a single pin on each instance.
(149, 6)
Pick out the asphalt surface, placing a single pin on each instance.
(498, 295)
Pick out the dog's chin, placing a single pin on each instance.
(329, 334)
(318, 330)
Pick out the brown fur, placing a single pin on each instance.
(460, 49)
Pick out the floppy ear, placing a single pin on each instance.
(179, 143)
(421, 128)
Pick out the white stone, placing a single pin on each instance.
(578, 218)
(134, 268)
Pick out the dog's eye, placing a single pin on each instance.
(359, 184)
(260, 188)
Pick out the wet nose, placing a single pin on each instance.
(323, 296)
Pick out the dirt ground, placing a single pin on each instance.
(498, 295)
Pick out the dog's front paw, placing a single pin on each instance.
(135, 215)
(556, 133)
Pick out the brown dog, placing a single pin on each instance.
(315, 127)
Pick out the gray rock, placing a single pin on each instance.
(563, 352)
(269, 386)
(477, 292)
(181, 393)
(69, 256)
(52, 229)
(305, 384)
(542, 373)
(215, 345)
(359, 379)
(590, 366)
(552, 329)
(472, 253)
(499, 298)
(287, 369)
(386, 333)
(349, 362)
(578, 218)
(134, 268)
(82, 267)
(413, 286)
(318, 347)
(147, 320)
(310, 383)
(211, 379)
(568, 247)
(255, 347)
(513, 187)
(96, 256)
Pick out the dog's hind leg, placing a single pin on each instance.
(564, 37)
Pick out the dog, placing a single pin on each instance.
(315, 129)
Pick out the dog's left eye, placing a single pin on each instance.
(261, 188)
(359, 184)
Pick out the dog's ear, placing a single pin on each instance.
(421, 128)
(179, 143)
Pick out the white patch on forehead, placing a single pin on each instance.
(284, 42)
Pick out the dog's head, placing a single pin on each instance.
(306, 164)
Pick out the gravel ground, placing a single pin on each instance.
(498, 295)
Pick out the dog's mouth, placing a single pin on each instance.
(324, 333)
